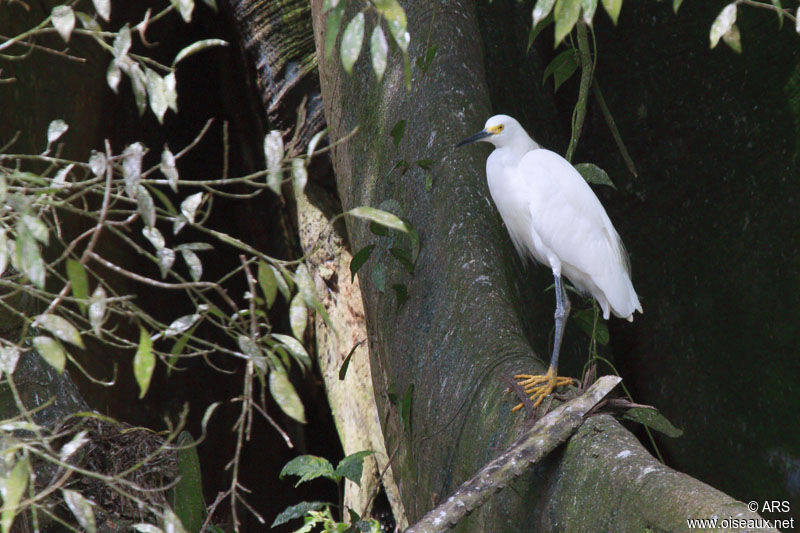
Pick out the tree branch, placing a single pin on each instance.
(550, 431)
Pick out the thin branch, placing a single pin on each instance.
(583, 93)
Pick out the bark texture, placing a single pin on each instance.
(465, 324)
(351, 399)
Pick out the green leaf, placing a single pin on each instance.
(299, 175)
(98, 303)
(594, 174)
(144, 362)
(267, 282)
(676, 4)
(352, 39)
(541, 10)
(186, 497)
(332, 31)
(404, 258)
(298, 316)
(139, 86)
(536, 29)
(779, 11)
(273, 154)
(61, 328)
(379, 276)
(145, 206)
(122, 42)
(585, 320)
(9, 356)
(312, 144)
(190, 205)
(185, 8)
(79, 281)
(81, 508)
(37, 228)
(651, 418)
(397, 131)
(613, 7)
(157, 93)
(723, 23)
(88, 22)
(797, 20)
(193, 262)
(733, 38)
(424, 62)
(401, 292)
(379, 48)
(378, 230)
(146, 528)
(63, 19)
(295, 348)
(561, 67)
(173, 524)
(588, 7)
(384, 218)
(299, 510)
(346, 362)
(12, 489)
(51, 351)
(395, 18)
(424, 164)
(406, 69)
(283, 278)
(103, 8)
(179, 325)
(253, 353)
(180, 345)
(197, 47)
(3, 250)
(55, 130)
(352, 466)
(308, 467)
(305, 285)
(566, 14)
(284, 394)
(359, 259)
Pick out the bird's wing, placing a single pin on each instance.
(567, 216)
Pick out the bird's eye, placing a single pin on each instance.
(499, 128)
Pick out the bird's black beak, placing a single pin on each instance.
(472, 138)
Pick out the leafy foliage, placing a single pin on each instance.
(309, 467)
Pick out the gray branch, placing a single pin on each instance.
(549, 432)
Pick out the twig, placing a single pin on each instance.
(583, 92)
(274, 424)
(553, 429)
(161, 284)
(612, 125)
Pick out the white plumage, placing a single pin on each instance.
(554, 216)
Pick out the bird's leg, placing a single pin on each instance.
(541, 386)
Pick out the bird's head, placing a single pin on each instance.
(500, 130)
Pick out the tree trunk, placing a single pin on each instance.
(465, 324)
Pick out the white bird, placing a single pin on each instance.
(553, 215)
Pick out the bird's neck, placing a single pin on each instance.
(511, 153)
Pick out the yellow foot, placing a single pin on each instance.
(540, 386)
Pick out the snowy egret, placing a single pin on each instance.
(554, 216)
